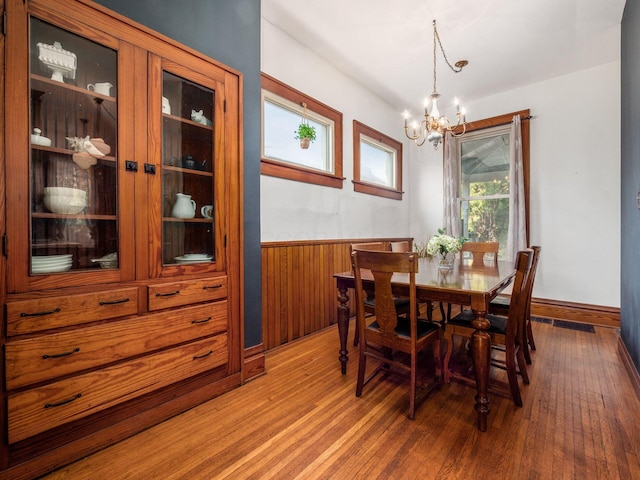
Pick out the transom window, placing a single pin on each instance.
(283, 110)
(281, 118)
(377, 163)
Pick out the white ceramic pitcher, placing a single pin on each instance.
(184, 207)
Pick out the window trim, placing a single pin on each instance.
(505, 119)
(290, 171)
(360, 129)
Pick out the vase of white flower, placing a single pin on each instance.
(446, 260)
(445, 247)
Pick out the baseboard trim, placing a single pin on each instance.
(576, 312)
(254, 362)
(630, 366)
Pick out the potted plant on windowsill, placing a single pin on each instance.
(306, 134)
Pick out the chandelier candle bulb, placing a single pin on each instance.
(435, 113)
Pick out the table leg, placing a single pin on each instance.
(343, 326)
(481, 349)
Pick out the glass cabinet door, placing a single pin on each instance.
(188, 214)
(73, 166)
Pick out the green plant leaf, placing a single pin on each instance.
(305, 131)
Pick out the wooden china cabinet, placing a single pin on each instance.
(123, 287)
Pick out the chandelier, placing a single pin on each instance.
(435, 125)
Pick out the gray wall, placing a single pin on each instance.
(228, 31)
(630, 173)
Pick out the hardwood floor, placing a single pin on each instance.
(581, 419)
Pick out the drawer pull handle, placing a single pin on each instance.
(64, 354)
(203, 355)
(170, 294)
(213, 287)
(63, 402)
(115, 302)
(204, 320)
(40, 314)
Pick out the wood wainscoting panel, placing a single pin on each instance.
(299, 294)
(576, 312)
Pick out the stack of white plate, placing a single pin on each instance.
(51, 263)
(194, 258)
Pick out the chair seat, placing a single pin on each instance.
(498, 324)
(403, 327)
(500, 305)
(399, 302)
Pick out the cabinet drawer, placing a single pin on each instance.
(49, 356)
(175, 294)
(40, 409)
(43, 313)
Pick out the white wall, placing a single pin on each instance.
(575, 172)
(575, 182)
(300, 211)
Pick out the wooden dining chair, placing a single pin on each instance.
(370, 246)
(403, 246)
(406, 246)
(402, 304)
(479, 251)
(500, 305)
(386, 334)
(507, 331)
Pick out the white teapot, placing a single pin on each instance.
(184, 207)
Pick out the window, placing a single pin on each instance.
(484, 188)
(484, 185)
(377, 163)
(283, 109)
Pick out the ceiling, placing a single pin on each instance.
(388, 46)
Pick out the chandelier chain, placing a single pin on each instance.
(436, 39)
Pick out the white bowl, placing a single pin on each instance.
(65, 200)
(65, 191)
(65, 205)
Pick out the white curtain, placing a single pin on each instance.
(451, 207)
(517, 236)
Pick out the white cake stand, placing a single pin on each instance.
(61, 62)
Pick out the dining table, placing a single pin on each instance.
(465, 283)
